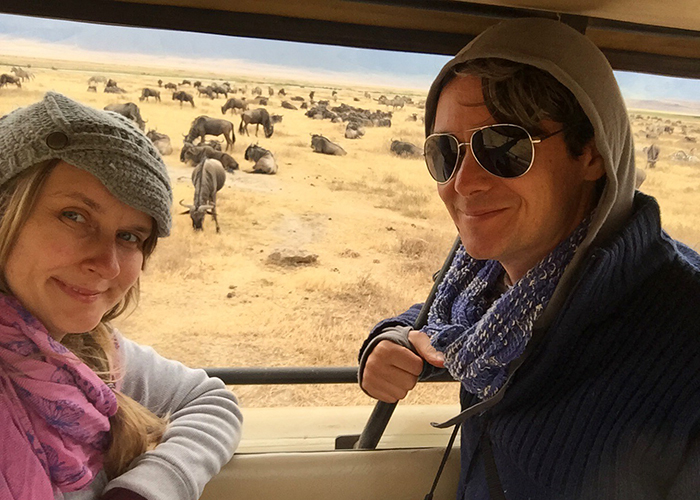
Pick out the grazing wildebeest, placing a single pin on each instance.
(233, 104)
(323, 145)
(128, 110)
(92, 88)
(354, 130)
(183, 96)
(97, 79)
(207, 91)
(405, 149)
(196, 154)
(186, 82)
(276, 119)
(219, 89)
(203, 125)
(208, 178)
(146, 93)
(288, 105)
(171, 86)
(197, 84)
(161, 142)
(257, 117)
(5, 79)
(264, 160)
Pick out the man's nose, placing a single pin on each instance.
(470, 177)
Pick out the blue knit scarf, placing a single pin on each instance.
(479, 334)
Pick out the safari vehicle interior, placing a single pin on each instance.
(645, 36)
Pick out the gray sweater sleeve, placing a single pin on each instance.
(204, 428)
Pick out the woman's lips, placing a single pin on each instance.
(82, 294)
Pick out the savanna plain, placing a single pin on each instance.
(373, 220)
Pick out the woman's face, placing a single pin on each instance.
(78, 253)
(514, 221)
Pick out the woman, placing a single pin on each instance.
(569, 317)
(84, 412)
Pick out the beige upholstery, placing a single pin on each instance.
(338, 475)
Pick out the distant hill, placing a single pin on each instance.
(665, 105)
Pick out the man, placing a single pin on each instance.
(568, 316)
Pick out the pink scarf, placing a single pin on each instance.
(54, 411)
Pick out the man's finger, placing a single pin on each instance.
(421, 342)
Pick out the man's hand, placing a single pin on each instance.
(392, 370)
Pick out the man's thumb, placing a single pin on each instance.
(421, 342)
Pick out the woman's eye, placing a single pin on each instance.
(74, 216)
(129, 237)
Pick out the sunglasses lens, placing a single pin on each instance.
(503, 150)
(441, 156)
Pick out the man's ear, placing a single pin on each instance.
(592, 162)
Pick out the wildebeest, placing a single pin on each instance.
(97, 79)
(22, 74)
(270, 91)
(128, 110)
(160, 83)
(297, 98)
(183, 96)
(257, 117)
(281, 92)
(207, 91)
(276, 119)
(161, 142)
(146, 93)
(233, 104)
(171, 86)
(405, 149)
(112, 88)
(185, 82)
(219, 89)
(196, 154)
(354, 130)
(5, 79)
(264, 160)
(311, 95)
(256, 91)
(288, 105)
(208, 178)
(261, 100)
(203, 125)
(323, 145)
(92, 88)
(652, 155)
(197, 84)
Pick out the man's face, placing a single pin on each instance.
(514, 221)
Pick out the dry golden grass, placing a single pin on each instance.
(373, 219)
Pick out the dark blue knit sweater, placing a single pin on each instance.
(608, 405)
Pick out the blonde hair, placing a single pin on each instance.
(134, 429)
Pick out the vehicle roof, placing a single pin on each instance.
(636, 35)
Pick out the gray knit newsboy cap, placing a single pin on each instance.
(103, 143)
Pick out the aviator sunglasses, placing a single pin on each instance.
(503, 150)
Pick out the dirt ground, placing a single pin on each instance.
(373, 219)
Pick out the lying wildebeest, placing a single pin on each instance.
(297, 98)
(171, 86)
(261, 100)
(354, 130)
(208, 178)
(183, 96)
(405, 149)
(161, 142)
(197, 154)
(212, 143)
(128, 110)
(257, 117)
(276, 119)
(321, 144)
(233, 104)
(146, 93)
(97, 79)
(288, 105)
(5, 79)
(203, 125)
(264, 160)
